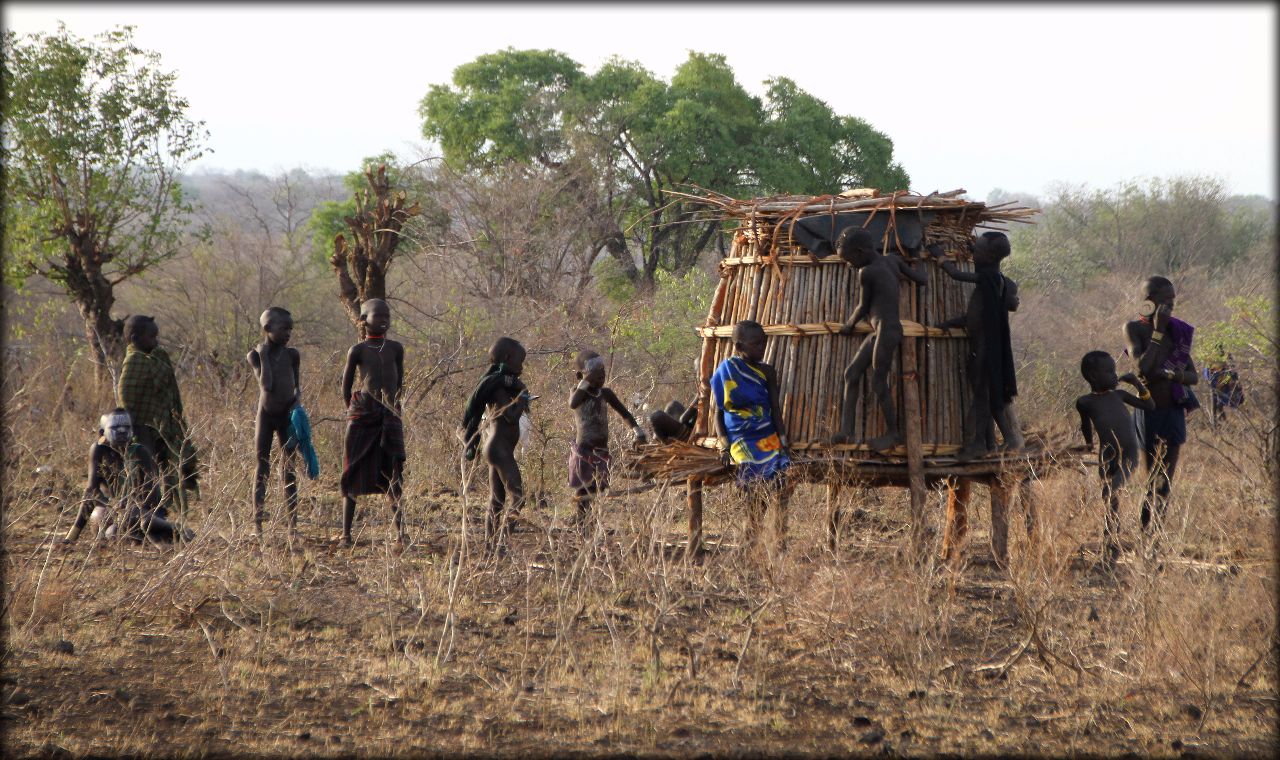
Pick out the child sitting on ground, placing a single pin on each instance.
(123, 487)
(1103, 410)
(589, 455)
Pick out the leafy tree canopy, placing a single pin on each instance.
(646, 136)
(95, 136)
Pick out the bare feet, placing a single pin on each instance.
(885, 442)
(1015, 442)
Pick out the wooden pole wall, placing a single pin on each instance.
(801, 301)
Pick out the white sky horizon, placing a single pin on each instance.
(1015, 97)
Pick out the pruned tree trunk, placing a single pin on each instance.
(94, 295)
(104, 334)
(361, 263)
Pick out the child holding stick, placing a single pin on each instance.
(589, 456)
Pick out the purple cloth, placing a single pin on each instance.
(1180, 334)
(588, 468)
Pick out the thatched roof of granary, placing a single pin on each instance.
(772, 219)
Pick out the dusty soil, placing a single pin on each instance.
(613, 643)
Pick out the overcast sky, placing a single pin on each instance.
(973, 96)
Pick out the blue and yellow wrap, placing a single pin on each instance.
(741, 396)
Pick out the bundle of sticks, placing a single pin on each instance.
(678, 461)
(776, 212)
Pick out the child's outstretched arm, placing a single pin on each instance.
(948, 266)
(623, 412)
(918, 276)
(1086, 422)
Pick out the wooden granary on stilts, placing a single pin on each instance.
(783, 273)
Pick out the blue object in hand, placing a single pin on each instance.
(300, 438)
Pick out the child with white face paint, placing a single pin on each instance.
(589, 456)
(123, 486)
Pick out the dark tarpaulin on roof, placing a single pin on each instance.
(819, 233)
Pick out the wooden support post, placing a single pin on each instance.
(1001, 493)
(833, 514)
(957, 527)
(695, 517)
(915, 455)
(1027, 497)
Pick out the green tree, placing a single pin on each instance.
(95, 137)
(508, 106)
(811, 150)
(644, 137)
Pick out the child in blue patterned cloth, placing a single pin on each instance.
(749, 426)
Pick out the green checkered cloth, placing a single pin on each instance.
(149, 390)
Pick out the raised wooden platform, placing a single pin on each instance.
(1007, 475)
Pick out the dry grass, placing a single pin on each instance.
(610, 642)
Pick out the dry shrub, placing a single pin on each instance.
(609, 641)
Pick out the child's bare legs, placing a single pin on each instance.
(171, 496)
(393, 500)
(394, 491)
(852, 374)
(753, 494)
(887, 340)
(582, 506)
(290, 487)
(766, 500)
(504, 481)
(267, 425)
(779, 497)
(348, 517)
(875, 352)
(957, 525)
(977, 419)
(1160, 466)
(1112, 479)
